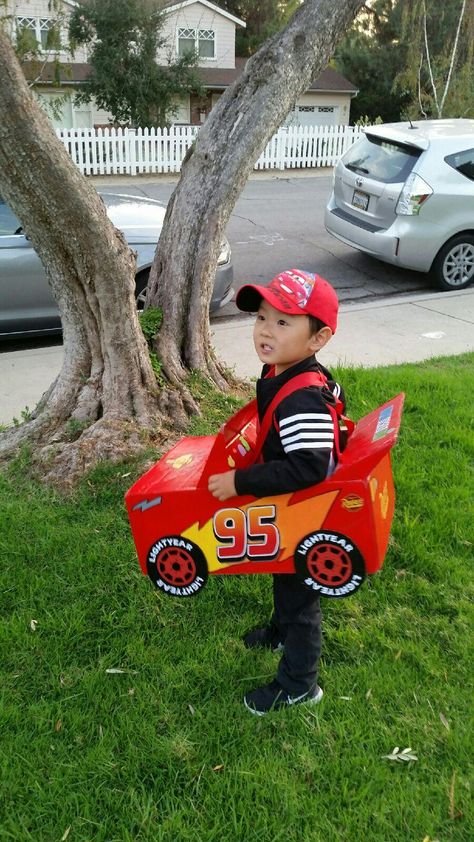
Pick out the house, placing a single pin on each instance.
(190, 24)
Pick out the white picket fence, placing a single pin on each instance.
(134, 151)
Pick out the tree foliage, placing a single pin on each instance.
(263, 18)
(388, 53)
(438, 69)
(370, 55)
(125, 79)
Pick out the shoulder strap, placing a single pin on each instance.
(308, 378)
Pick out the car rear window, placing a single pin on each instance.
(463, 162)
(382, 160)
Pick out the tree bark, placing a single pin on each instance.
(215, 171)
(106, 390)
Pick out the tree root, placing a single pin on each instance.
(63, 446)
(63, 463)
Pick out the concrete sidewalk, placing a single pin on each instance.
(392, 330)
(383, 332)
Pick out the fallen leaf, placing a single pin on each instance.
(444, 721)
(218, 768)
(398, 655)
(66, 834)
(191, 709)
(400, 573)
(404, 756)
(125, 475)
(58, 725)
(117, 671)
(33, 624)
(346, 698)
(131, 691)
(369, 693)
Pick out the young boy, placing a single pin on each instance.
(296, 317)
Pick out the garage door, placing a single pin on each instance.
(317, 115)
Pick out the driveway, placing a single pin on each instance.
(278, 223)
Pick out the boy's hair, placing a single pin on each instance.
(315, 325)
(297, 293)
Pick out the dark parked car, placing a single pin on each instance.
(26, 304)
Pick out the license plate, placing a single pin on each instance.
(360, 200)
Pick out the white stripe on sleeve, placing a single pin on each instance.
(306, 446)
(307, 431)
(305, 416)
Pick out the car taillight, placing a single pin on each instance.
(415, 192)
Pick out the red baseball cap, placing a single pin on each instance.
(295, 292)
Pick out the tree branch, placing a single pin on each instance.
(453, 57)
(428, 59)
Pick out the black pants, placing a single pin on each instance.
(296, 621)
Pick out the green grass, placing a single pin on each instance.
(165, 750)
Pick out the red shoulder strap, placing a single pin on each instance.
(308, 378)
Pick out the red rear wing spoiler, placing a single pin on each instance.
(373, 435)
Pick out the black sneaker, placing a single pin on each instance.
(263, 638)
(274, 697)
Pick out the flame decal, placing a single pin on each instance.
(293, 521)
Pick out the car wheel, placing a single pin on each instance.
(328, 562)
(177, 566)
(141, 284)
(453, 267)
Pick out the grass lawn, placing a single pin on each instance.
(163, 749)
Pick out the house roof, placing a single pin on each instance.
(214, 78)
(172, 5)
(221, 77)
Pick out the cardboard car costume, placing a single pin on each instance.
(330, 535)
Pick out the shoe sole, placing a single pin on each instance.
(298, 701)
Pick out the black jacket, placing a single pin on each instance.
(299, 448)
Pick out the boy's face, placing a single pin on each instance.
(283, 340)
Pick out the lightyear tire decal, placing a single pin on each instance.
(329, 563)
(177, 566)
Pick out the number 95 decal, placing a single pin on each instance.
(250, 534)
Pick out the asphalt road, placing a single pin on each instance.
(278, 223)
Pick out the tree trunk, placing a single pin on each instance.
(106, 390)
(215, 171)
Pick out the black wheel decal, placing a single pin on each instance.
(328, 562)
(177, 566)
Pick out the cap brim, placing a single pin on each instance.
(248, 298)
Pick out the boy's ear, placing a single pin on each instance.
(321, 338)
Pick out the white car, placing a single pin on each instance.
(404, 193)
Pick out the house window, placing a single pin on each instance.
(307, 109)
(326, 109)
(206, 43)
(38, 33)
(201, 41)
